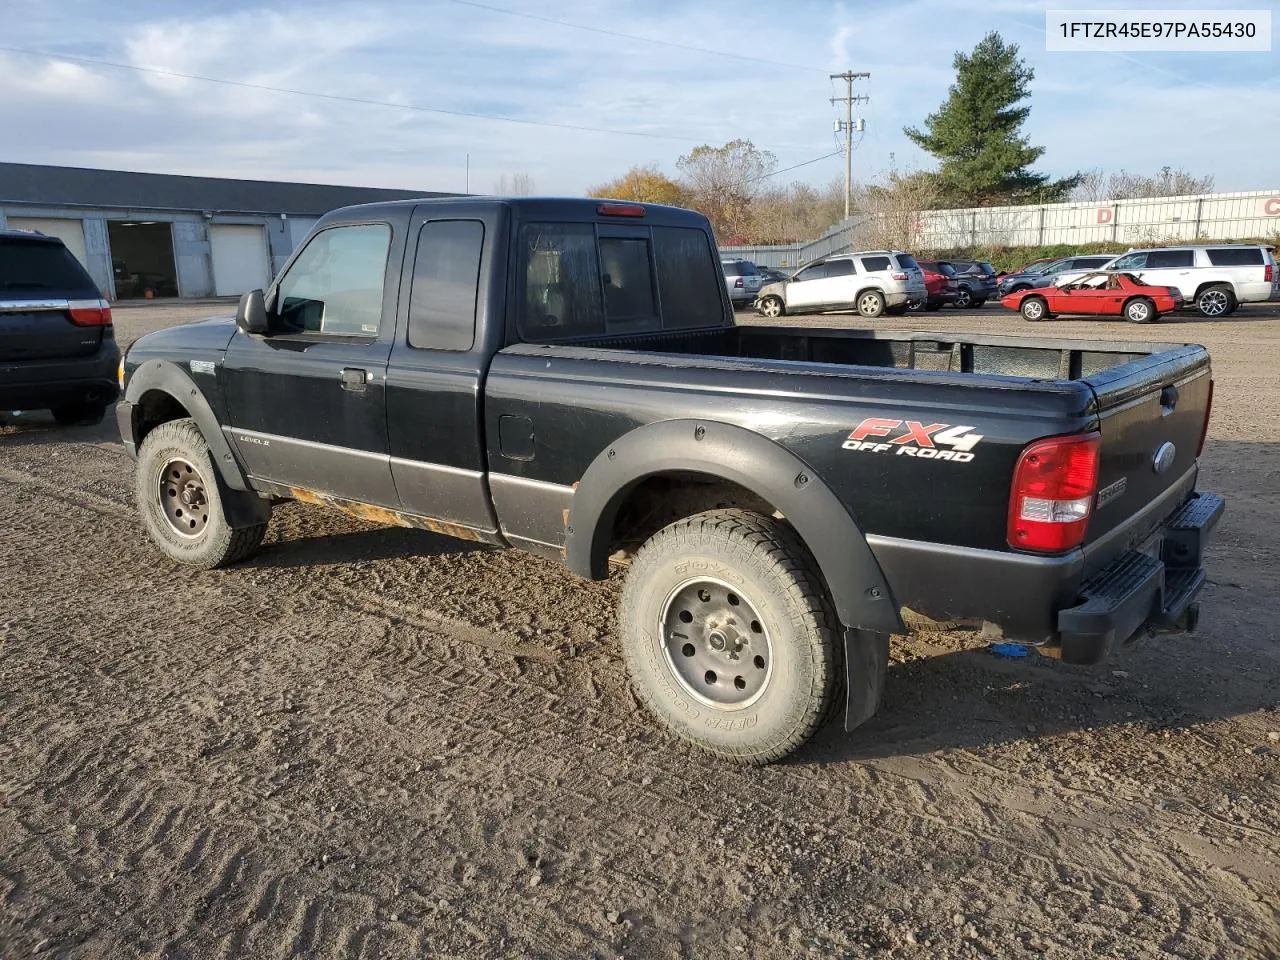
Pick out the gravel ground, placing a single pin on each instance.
(378, 742)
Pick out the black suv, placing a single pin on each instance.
(977, 282)
(57, 346)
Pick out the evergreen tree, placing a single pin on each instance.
(976, 133)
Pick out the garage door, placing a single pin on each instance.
(240, 259)
(70, 232)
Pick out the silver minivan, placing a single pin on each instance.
(872, 282)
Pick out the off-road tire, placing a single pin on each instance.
(79, 414)
(1034, 309)
(764, 560)
(218, 544)
(1141, 310)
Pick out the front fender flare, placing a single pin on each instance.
(859, 590)
(167, 377)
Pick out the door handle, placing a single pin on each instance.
(354, 379)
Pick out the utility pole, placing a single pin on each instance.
(847, 126)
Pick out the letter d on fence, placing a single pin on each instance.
(1105, 214)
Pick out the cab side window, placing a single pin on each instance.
(334, 288)
(446, 278)
(875, 264)
(840, 268)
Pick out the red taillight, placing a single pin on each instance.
(738, 284)
(1268, 272)
(620, 210)
(1208, 410)
(1052, 496)
(89, 313)
(900, 275)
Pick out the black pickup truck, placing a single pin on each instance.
(566, 377)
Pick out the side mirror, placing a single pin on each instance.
(251, 314)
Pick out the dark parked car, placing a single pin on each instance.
(976, 283)
(566, 377)
(57, 345)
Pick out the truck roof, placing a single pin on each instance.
(540, 208)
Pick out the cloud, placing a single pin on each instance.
(1087, 109)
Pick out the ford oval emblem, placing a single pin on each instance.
(1164, 457)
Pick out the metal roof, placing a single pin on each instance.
(26, 183)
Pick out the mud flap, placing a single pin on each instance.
(242, 508)
(866, 661)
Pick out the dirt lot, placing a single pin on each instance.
(375, 742)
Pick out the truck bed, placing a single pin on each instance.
(1040, 358)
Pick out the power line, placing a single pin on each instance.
(797, 166)
(632, 36)
(92, 61)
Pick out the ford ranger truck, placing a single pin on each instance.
(565, 377)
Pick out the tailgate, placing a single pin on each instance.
(1153, 415)
(43, 330)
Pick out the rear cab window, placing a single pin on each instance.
(584, 279)
(445, 285)
(1237, 257)
(39, 268)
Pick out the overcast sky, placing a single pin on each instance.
(1213, 113)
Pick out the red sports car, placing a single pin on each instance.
(1098, 294)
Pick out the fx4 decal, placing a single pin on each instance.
(911, 438)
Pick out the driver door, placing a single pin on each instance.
(806, 288)
(307, 402)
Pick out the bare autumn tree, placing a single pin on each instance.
(892, 207)
(1123, 185)
(795, 213)
(723, 182)
(520, 185)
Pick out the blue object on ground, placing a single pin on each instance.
(1009, 649)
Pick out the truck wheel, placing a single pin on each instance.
(180, 502)
(1141, 310)
(73, 414)
(1216, 301)
(772, 307)
(871, 303)
(1034, 309)
(728, 635)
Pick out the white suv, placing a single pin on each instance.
(874, 282)
(1216, 278)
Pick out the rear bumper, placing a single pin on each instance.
(1153, 586)
(40, 384)
(1026, 595)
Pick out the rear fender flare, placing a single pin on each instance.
(859, 590)
(167, 377)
